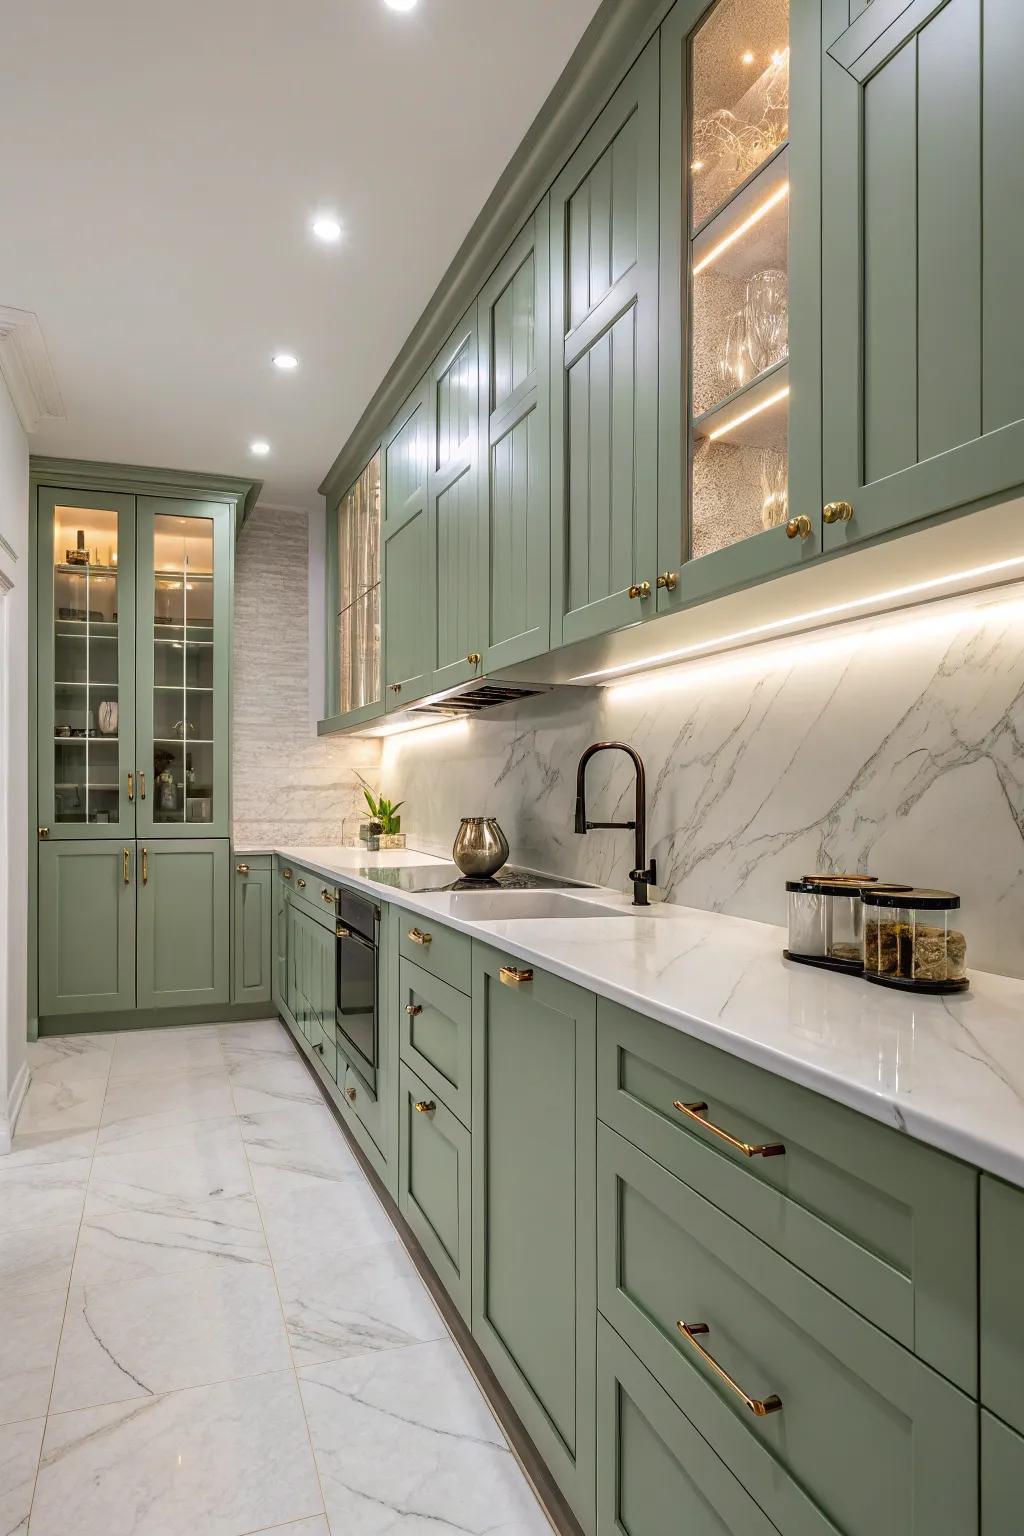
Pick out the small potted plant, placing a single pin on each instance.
(384, 815)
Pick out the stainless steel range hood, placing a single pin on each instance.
(463, 702)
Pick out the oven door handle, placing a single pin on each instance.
(358, 939)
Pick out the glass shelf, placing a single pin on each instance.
(184, 722)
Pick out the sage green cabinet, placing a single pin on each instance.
(87, 936)
(434, 1183)
(454, 510)
(253, 959)
(436, 1033)
(514, 577)
(410, 582)
(829, 1424)
(533, 1207)
(1002, 1315)
(1002, 1478)
(923, 330)
(655, 1474)
(604, 367)
(184, 939)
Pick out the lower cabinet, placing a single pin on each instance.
(434, 1183)
(183, 934)
(86, 927)
(534, 1120)
(252, 924)
(655, 1473)
(1002, 1478)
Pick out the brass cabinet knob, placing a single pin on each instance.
(300, 885)
(668, 580)
(798, 528)
(395, 687)
(418, 936)
(641, 589)
(43, 833)
(351, 1094)
(473, 658)
(286, 874)
(837, 512)
(412, 1009)
(326, 895)
(241, 869)
(425, 1107)
(511, 977)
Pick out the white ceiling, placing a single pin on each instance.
(160, 165)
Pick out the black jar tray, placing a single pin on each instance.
(827, 963)
(906, 984)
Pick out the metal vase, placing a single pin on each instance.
(481, 847)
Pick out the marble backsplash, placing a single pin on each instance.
(895, 751)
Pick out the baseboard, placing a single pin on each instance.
(15, 1099)
(535, 1470)
(154, 1018)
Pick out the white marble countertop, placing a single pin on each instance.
(947, 1070)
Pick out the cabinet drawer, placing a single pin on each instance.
(885, 1223)
(434, 1184)
(1002, 1478)
(439, 950)
(311, 894)
(1002, 1311)
(436, 1029)
(360, 1100)
(872, 1442)
(655, 1473)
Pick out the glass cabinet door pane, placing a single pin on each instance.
(358, 620)
(184, 719)
(86, 667)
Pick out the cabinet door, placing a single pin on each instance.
(409, 576)
(1002, 1478)
(434, 1183)
(86, 927)
(515, 451)
(253, 959)
(454, 506)
(353, 602)
(280, 978)
(183, 921)
(183, 664)
(923, 192)
(1002, 1322)
(604, 366)
(86, 664)
(534, 1119)
(740, 343)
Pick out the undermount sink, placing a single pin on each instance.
(492, 906)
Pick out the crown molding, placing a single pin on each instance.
(27, 369)
(88, 475)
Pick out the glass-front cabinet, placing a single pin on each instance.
(734, 506)
(354, 690)
(133, 636)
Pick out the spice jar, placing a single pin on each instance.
(826, 921)
(913, 939)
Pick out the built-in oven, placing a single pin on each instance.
(357, 1010)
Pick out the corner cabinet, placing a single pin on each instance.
(923, 191)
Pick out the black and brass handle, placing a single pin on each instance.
(412, 1009)
(668, 580)
(126, 865)
(328, 896)
(473, 658)
(342, 932)
(145, 866)
(131, 788)
(760, 1407)
(749, 1149)
(395, 687)
(319, 1047)
(837, 512)
(798, 527)
(300, 885)
(241, 869)
(511, 977)
(418, 936)
(640, 589)
(425, 1107)
(142, 785)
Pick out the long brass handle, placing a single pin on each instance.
(837, 512)
(142, 785)
(668, 580)
(512, 977)
(640, 589)
(145, 866)
(425, 1107)
(412, 1009)
(131, 788)
(126, 866)
(798, 527)
(749, 1149)
(241, 869)
(418, 936)
(760, 1407)
(300, 885)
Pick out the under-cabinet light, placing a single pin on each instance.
(755, 410)
(741, 229)
(404, 727)
(812, 616)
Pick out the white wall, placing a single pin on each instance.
(14, 533)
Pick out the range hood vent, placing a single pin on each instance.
(473, 698)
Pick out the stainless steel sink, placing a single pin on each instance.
(495, 906)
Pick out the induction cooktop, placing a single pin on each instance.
(448, 877)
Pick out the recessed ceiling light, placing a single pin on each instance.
(400, 5)
(259, 448)
(285, 361)
(326, 228)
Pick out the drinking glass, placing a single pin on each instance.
(766, 316)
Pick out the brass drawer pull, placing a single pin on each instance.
(286, 874)
(668, 581)
(837, 512)
(512, 977)
(395, 687)
(798, 528)
(698, 1111)
(412, 1009)
(142, 785)
(126, 865)
(342, 932)
(759, 1407)
(473, 658)
(145, 866)
(131, 788)
(241, 869)
(425, 1107)
(418, 937)
(300, 885)
(328, 896)
(641, 589)
(351, 1093)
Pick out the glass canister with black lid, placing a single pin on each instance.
(914, 939)
(826, 921)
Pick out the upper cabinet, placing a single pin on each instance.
(514, 453)
(604, 367)
(454, 509)
(739, 473)
(923, 204)
(354, 571)
(409, 573)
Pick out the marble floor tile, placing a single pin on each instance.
(40, 1195)
(146, 1337)
(221, 1460)
(38, 1258)
(404, 1442)
(211, 1167)
(322, 1216)
(19, 1457)
(71, 1056)
(272, 1082)
(55, 1146)
(165, 1051)
(316, 1527)
(258, 1036)
(353, 1301)
(302, 1141)
(128, 1240)
(152, 1134)
(63, 1104)
(166, 1097)
(30, 1325)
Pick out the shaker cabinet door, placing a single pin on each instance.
(87, 927)
(183, 923)
(454, 510)
(252, 929)
(409, 575)
(923, 215)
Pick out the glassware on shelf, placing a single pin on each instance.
(734, 365)
(774, 488)
(766, 318)
(183, 714)
(358, 621)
